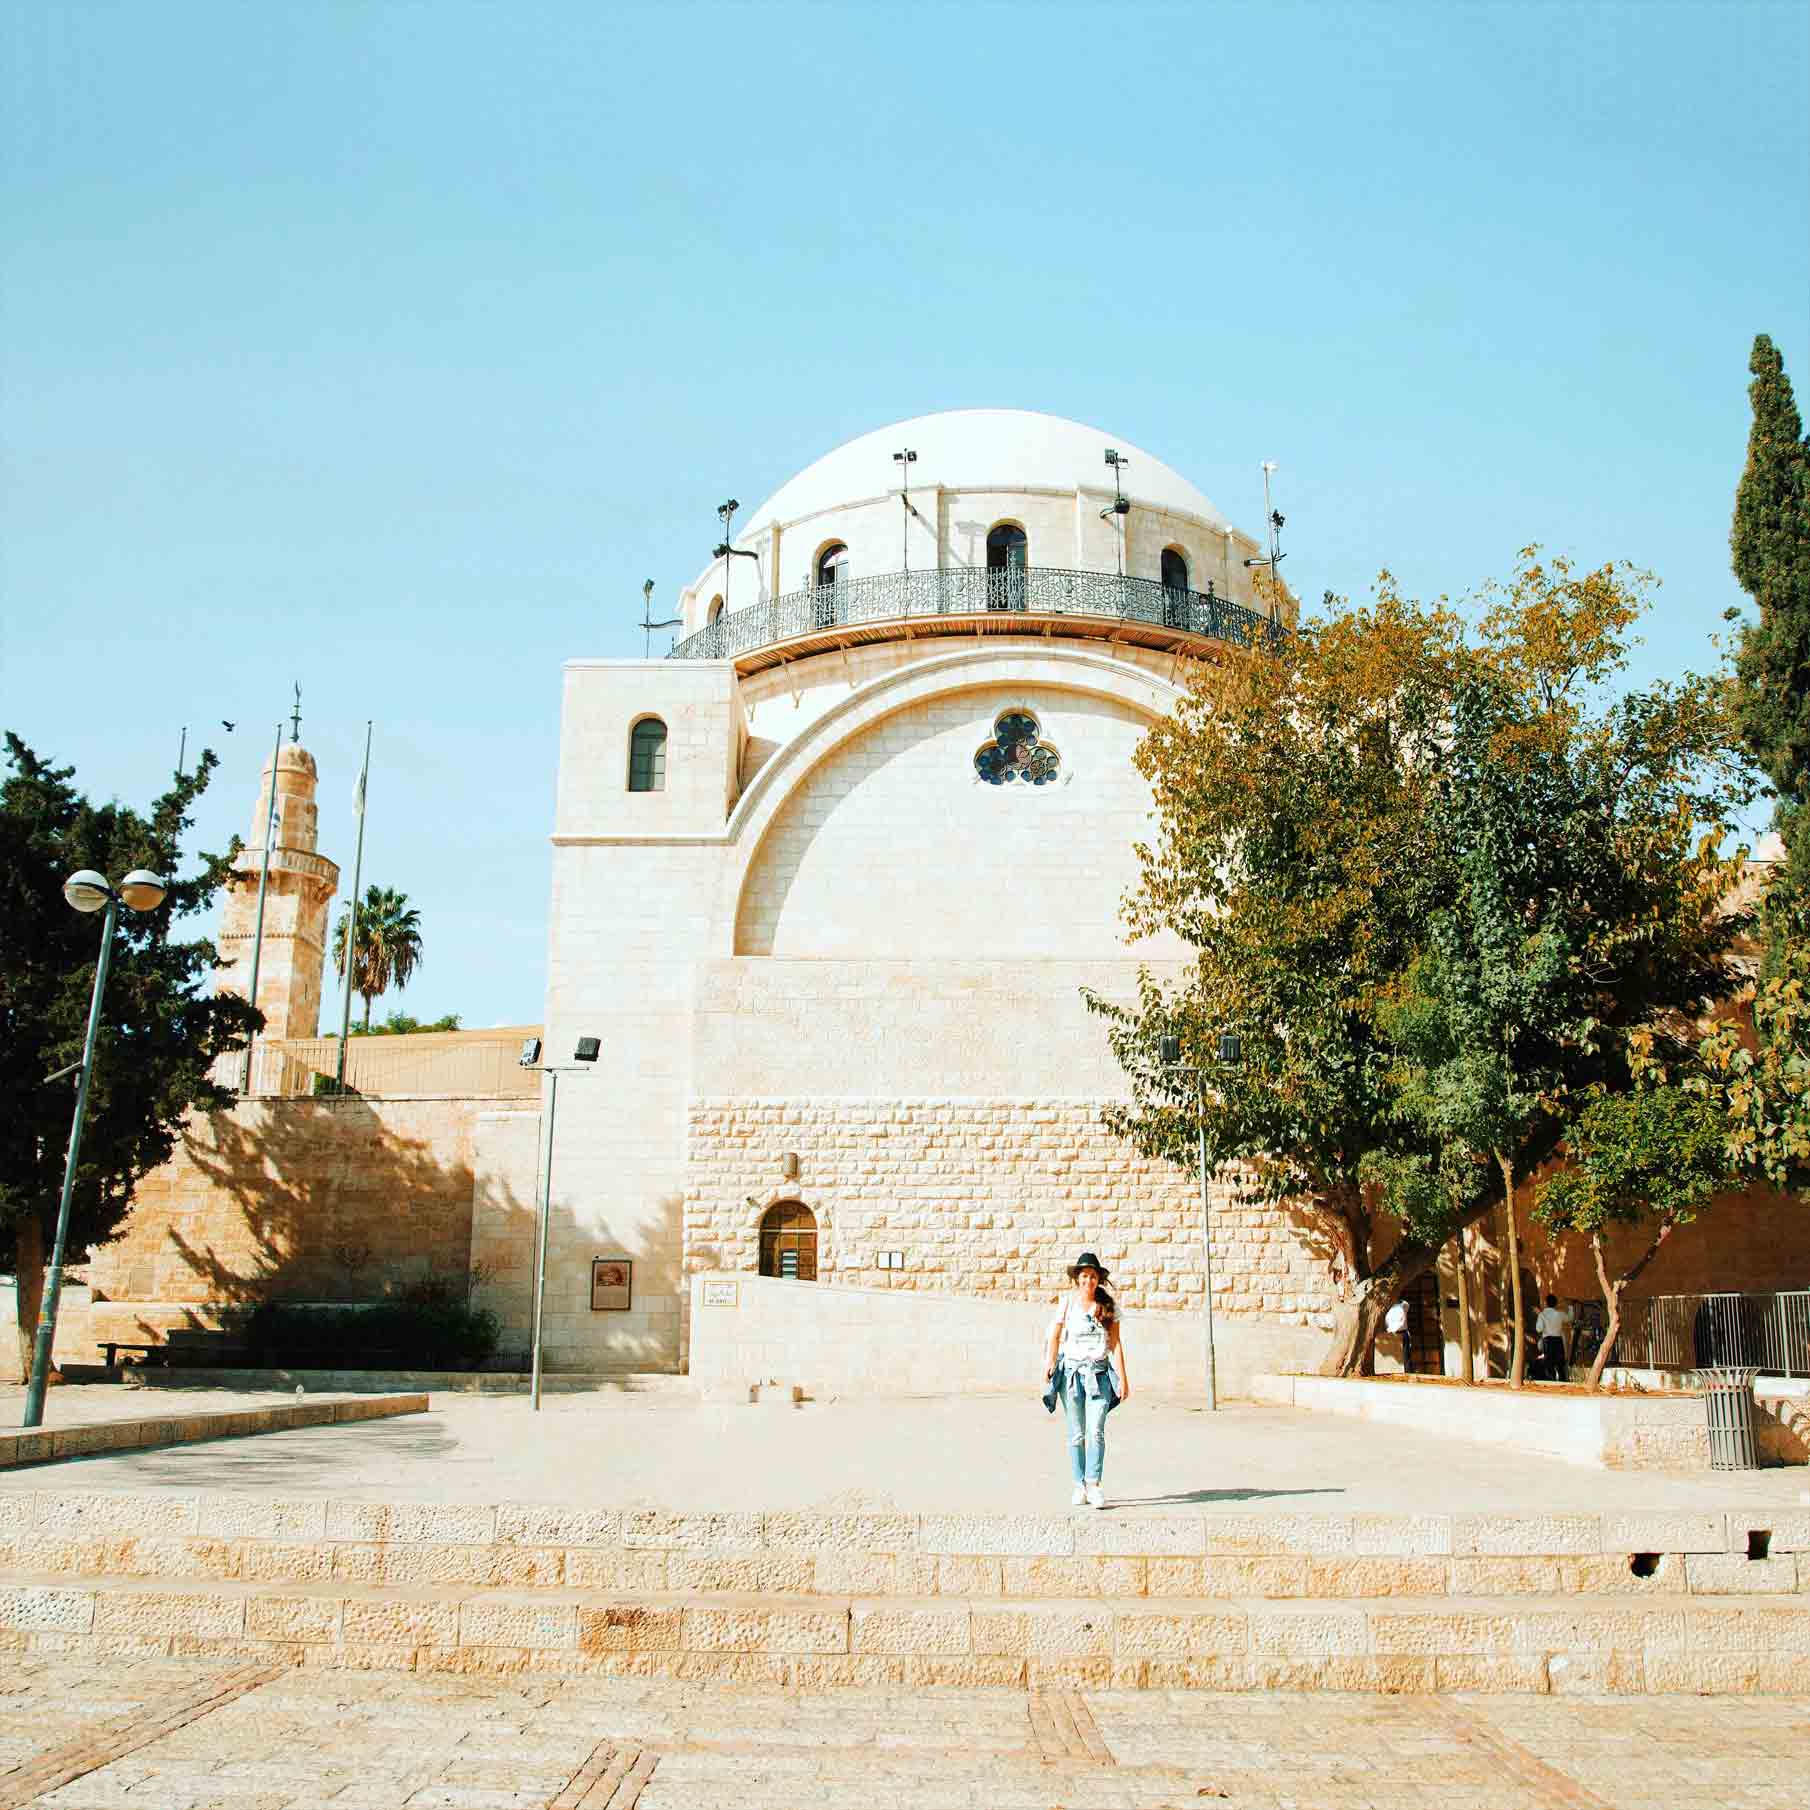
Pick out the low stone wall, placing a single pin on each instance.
(1618, 1432)
(87, 1440)
(859, 1341)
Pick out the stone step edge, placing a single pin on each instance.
(44, 1445)
(196, 1560)
(1736, 1646)
(743, 1533)
(43, 1586)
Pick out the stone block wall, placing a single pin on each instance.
(320, 1200)
(989, 1199)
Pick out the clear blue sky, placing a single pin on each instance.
(390, 347)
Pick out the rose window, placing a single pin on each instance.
(1017, 754)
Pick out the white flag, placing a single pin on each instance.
(358, 791)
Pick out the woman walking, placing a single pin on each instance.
(1084, 1342)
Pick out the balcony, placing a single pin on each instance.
(1040, 600)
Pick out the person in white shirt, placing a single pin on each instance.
(1084, 1343)
(1550, 1327)
(1395, 1321)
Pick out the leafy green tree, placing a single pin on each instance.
(389, 944)
(1651, 1157)
(160, 1032)
(400, 1024)
(1305, 847)
(1770, 543)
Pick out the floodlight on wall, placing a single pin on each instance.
(587, 1049)
(530, 1052)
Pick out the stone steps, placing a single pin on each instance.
(229, 1536)
(1411, 1643)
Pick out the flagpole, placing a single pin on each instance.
(257, 941)
(358, 862)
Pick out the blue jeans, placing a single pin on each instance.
(1087, 1397)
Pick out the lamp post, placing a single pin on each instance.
(86, 891)
(1228, 1052)
(583, 1055)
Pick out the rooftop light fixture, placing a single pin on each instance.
(905, 458)
(1120, 506)
(649, 625)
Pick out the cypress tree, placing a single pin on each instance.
(1770, 542)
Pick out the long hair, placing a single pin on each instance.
(1106, 1309)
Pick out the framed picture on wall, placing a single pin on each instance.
(611, 1284)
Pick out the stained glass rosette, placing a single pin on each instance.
(1017, 754)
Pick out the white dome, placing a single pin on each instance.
(981, 449)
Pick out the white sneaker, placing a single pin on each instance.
(1078, 1497)
(1096, 1496)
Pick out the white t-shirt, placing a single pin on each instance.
(1083, 1337)
(1551, 1323)
(1396, 1319)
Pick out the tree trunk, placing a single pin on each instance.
(1357, 1321)
(1612, 1305)
(30, 1282)
(1517, 1347)
(1467, 1357)
(368, 997)
(1612, 1294)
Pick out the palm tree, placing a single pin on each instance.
(389, 944)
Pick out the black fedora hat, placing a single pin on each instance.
(1088, 1261)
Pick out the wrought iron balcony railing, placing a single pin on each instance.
(910, 596)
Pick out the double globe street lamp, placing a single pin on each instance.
(86, 891)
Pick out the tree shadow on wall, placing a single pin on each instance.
(330, 1204)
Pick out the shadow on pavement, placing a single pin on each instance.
(1195, 1497)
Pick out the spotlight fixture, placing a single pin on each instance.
(530, 1052)
(587, 1049)
(905, 458)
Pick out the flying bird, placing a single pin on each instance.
(224, 724)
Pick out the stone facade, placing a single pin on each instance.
(324, 1200)
(986, 1198)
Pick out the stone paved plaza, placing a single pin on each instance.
(985, 1453)
(172, 1735)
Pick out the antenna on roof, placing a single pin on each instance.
(1274, 521)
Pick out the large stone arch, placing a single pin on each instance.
(1082, 680)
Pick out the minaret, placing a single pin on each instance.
(302, 885)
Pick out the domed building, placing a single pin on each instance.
(827, 883)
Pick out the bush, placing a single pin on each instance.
(407, 1334)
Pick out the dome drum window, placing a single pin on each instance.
(1017, 754)
(831, 570)
(1008, 559)
(1175, 588)
(647, 756)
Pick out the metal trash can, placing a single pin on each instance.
(1728, 1397)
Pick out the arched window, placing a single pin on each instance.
(1175, 588)
(647, 756)
(1008, 555)
(716, 612)
(788, 1242)
(832, 570)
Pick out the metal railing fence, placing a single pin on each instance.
(439, 1065)
(1768, 1332)
(974, 591)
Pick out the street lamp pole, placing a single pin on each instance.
(584, 1055)
(143, 892)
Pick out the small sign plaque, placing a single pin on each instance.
(611, 1284)
(719, 1294)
